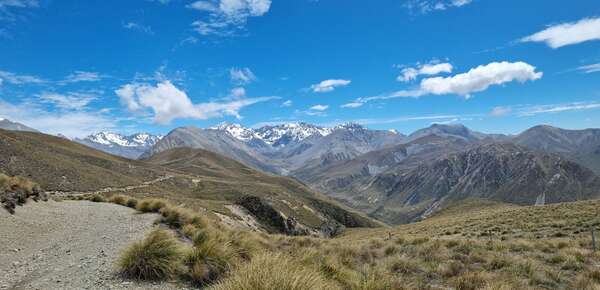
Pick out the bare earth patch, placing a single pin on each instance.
(69, 245)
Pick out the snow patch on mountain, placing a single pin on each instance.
(276, 135)
(115, 139)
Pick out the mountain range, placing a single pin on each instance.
(132, 146)
(392, 177)
(401, 178)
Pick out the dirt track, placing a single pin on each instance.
(69, 245)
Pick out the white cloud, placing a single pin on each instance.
(481, 78)
(590, 68)
(352, 105)
(71, 124)
(71, 101)
(475, 80)
(570, 33)
(430, 69)
(16, 79)
(225, 17)
(241, 76)
(426, 6)
(500, 111)
(329, 85)
(439, 118)
(83, 76)
(319, 107)
(543, 109)
(138, 27)
(168, 103)
(287, 103)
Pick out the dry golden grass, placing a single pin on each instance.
(16, 190)
(158, 256)
(270, 271)
(532, 255)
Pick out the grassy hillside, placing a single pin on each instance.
(219, 178)
(475, 245)
(59, 164)
(199, 179)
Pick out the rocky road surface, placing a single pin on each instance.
(69, 245)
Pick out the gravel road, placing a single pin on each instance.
(69, 245)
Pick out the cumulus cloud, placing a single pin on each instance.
(500, 111)
(475, 80)
(430, 69)
(168, 102)
(329, 85)
(241, 76)
(591, 68)
(481, 78)
(560, 35)
(226, 17)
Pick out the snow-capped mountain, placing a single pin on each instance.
(131, 146)
(115, 139)
(277, 135)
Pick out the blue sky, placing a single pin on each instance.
(77, 67)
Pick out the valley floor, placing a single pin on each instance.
(69, 245)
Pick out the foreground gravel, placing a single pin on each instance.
(69, 245)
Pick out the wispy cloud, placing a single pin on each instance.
(558, 108)
(71, 101)
(437, 118)
(564, 34)
(329, 85)
(591, 68)
(500, 111)
(241, 76)
(167, 102)
(83, 76)
(138, 27)
(17, 79)
(426, 6)
(227, 17)
(70, 123)
(9, 8)
(287, 103)
(475, 80)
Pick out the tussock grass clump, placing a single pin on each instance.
(131, 202)
(270, 271)
(158, 256)
(209, 261)
(151, 205)
(16, 190)
(118, 199)
(97, 198)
